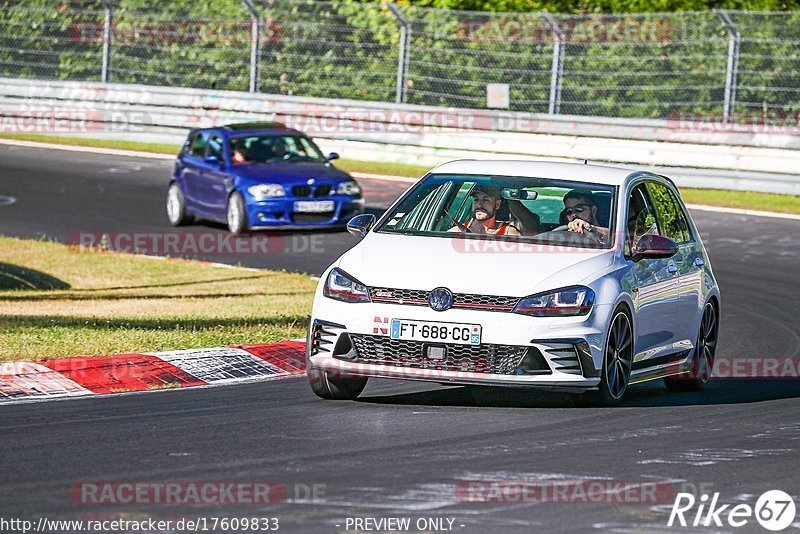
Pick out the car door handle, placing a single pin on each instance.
(672, 268)
(698, 262)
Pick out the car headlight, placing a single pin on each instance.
(262, 191)
(341, 286)
(566, 302)
(348, 188)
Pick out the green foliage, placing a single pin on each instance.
(635, 65)
(604, 6)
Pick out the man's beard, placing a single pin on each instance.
(483, 215)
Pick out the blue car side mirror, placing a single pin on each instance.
(212, 160)
(332, 156)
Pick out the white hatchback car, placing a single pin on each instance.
(577, 278)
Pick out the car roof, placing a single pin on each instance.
(244, 128)
(598, 174)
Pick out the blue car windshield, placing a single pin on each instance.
(269, 148)
(540, 210)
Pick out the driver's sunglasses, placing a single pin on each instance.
(577, 208)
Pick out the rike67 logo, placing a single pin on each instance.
(774, 510)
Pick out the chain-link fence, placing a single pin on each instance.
(718, 65)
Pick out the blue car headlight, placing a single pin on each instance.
(565, 302)
(341, 286)
(348, 188)
(263, 191)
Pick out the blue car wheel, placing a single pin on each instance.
(176, 206)
(237, 214)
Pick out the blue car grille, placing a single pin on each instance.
(316, 191)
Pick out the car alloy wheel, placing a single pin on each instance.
(619, 354)
(617, 363)
(702, 364)
(176, 206)
(334, 386)
(236, 216)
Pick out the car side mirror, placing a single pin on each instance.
(211, 160)
(360, 225)
(652, 246)
(332, 156)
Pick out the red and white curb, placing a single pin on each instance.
(123, 373)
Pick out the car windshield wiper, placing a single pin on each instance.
(404, 232)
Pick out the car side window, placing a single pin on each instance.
(673, 220)
(198, 145)
(188, 144)
(641, 218)
(215, 147)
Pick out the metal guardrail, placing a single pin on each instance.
(405, 133)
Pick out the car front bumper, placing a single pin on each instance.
(280, 212)
(564, 353)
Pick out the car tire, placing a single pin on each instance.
(340, 387)
(176, 206)
(617, 362)
(702, 363)
(236, 216)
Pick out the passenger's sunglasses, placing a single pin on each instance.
(577, 208)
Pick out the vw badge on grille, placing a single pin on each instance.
(440, 299)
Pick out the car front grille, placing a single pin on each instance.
(312, 218)
(321, 191)
(416, 297)
(305, 191)
(486, 358)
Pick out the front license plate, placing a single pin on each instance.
(313, 206)
(458, 333)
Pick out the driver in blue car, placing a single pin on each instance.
(238, 153)
(580, 211)
(485, 203)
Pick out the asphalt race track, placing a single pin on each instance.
(402, 450)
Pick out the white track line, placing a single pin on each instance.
(368, 176)
(89, 149)
(385, 177)
(740, 211)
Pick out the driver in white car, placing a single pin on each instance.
(485, 203)
(581, 213)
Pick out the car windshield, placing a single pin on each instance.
(271, 148)
(540, 210)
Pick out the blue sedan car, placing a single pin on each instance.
(259, 175)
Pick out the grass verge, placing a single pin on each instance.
(712, 197)
(125, 303)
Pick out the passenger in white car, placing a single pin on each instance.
(580, 211)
